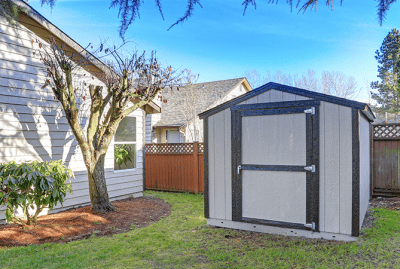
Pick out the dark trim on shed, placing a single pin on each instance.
(276, 105)
(293, 90)
(259, 167)
(355, 224)
(206, 168)
(314, 206)
(274, 223)
(275, 111)
(236, 159)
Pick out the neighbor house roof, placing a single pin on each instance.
(365, 109)
(207, 94)
(30, 18)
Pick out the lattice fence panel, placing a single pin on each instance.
(201, 148)
(170, 148)
(387, 131)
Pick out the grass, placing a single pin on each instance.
(183, 240)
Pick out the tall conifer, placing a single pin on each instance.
(388, 89)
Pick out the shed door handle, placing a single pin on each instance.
(238, 169)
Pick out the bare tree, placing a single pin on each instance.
(255, 78)
(307, 81)
(338, 84)
(188, 105)
(131, 83)
(333, 83)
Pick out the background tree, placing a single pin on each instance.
(188, 106)
(333, 83)
(338, 84)
(130, 84)
(388, 89)
(129, 9)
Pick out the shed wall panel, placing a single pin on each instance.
(331, 174)
(335, 168)
(273, 96)
(288, 96)
(219, 168)
(345, 170)
(211, 165)
(272, 195)
(364, 166)
(228, 165)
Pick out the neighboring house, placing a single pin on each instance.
(178, 121)
(32, 124)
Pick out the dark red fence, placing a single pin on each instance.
(175, 166)
(385, 159)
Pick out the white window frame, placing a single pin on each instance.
(126, 142)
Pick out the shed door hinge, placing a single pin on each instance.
(238, 169)
(311, 111)
(310, 225)
(310, 168)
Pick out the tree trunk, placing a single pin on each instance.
(98, 188)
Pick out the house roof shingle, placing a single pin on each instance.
(207, 93)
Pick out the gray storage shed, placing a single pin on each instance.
(288, 161)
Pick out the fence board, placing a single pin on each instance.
(175, 167)
(385, 162)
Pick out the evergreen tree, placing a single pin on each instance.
(388, 89)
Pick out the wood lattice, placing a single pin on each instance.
(201, 148)
(169, 148)
(387, 131)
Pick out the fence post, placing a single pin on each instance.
(196, 166)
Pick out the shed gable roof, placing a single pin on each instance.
(208, 94)
(293, 90)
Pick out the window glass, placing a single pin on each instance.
(125, 144)
(126, 130)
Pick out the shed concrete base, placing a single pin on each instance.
(277, 230)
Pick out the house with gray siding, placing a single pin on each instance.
(32, 123)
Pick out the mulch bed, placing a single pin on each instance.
(82, 223)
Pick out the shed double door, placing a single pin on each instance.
(275, 164)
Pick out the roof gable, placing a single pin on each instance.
(293, 90)
(207, 94)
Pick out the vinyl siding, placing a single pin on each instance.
(32, 123)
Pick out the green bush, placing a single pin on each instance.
(35, 185)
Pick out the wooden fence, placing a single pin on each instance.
(385, 159)
(175, 167)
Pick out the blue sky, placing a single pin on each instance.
(218, 42)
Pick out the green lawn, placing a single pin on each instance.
(183, 240)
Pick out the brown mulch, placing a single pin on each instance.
(82, 223)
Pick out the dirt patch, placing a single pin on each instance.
(81, 223)
(390, 203)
